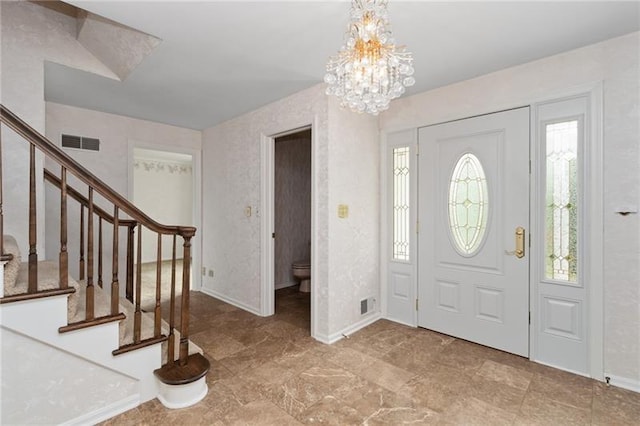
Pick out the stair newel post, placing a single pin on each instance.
(100, 252)
(81, 266)
(115, 285)
(129, 283)
(33, 252)
(63, 259)
(90, 289)
(172, 307)
(184, 311)
(137, 317)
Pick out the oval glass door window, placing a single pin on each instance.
(468, 204)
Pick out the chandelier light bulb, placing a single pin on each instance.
(369, 70)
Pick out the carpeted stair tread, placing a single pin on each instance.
(11, 269)
(16, 275)
(102, 306)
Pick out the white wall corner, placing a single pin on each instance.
(232, 301)
(267, 226)
(384, 228)
(347, 331)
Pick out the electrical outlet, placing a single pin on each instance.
(211, 273)
(204, 271)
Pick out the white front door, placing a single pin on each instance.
(473, 207)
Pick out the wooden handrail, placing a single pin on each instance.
(55, 180)
(189, 367)
(52, 151)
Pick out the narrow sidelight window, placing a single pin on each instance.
(401, 217)
(561, 215)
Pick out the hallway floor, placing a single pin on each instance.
(269, 371)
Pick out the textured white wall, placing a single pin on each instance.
(231, 182)
(346, 165)
(354, 242)
(42, 384)
(616, 62)
(164, 192)
(110, 164)
(32, 34)
(292, 205)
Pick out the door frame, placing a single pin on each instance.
(593, 230)
(267, 218)
(196, 243)
(388, 265)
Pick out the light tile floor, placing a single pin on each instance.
(269, 371)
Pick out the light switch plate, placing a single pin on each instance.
(343, 211)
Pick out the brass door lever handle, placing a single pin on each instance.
(519, 251)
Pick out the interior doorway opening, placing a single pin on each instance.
(163, 186)
(292, 226)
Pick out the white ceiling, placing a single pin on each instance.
(219, 59)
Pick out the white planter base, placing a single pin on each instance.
(181, 396)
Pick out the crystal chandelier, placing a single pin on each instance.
(369, 70)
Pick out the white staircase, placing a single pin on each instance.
(69, 377)
(72, 352)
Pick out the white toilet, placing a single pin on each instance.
(302, 272)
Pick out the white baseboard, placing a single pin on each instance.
(568, 370)
(285, 285)
(624, 382)
(231, 301)
(107, 412)
(334, 337)
(400, 322)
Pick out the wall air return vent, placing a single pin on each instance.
(80, 142)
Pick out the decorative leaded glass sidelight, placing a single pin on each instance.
(401, 216)
(561, 216)
(468, 204)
